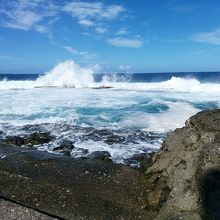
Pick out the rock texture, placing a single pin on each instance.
(11, 211)
(183, 178)
(181, 181)
(71, 189)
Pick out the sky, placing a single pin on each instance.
(115, 36)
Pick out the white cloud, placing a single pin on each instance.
(40, 15)
(86, 23)
(208, 37)
(24, 20)
(90, 14)
(122, 31)
(26, 14)
(101, 30)
(125, 42)
(124, 67)
(85, 54)
(93, 10)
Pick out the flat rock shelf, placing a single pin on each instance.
(180, 181)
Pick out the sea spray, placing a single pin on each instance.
(67, 74)
(130, 118)
(72, 75)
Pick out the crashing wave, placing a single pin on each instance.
(70, 74)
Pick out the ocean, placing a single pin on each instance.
(125, 114)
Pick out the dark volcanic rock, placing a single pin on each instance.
(14, 140)
(64, 145)
(139, 160)
(101, 155)
(102, 87)
(38, 138)
(64, 148)
(1, 134)
(183, 178)
(112, 139)
(79, 152)
(10, 211)
(70, 188)
(28, 140)
(181, 181)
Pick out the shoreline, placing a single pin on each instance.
(172, 184)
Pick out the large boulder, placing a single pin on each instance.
(183, 179)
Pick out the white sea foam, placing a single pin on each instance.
(67, 74)
(152, 107)
(176, 84)
(70, 74)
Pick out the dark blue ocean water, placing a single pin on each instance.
(131, 117)
(212, 77)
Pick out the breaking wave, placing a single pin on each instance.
(70, 74)
(66, 74)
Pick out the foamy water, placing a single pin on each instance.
(64, 102)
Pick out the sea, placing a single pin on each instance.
(125, 114)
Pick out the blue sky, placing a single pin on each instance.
(118, 36)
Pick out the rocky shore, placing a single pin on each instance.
(181, 181)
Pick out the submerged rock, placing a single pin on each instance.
(183, 178)
(14, 140)
(181, 181)
(28, 140)
(102, 87)
(64, 148)
(79, 152)
(139, 160)
(101, 156)
(38, 138)
(114, 139)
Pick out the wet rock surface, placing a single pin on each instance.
(32, 139)
(71, 189)
(183, 178)
(101, 156)
(11, 211)
(181, 181)
(69, 140)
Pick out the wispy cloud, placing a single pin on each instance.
(122, 31)
(26, 14)
(93, 10)
(101, 30)
(93, 14)
(85, 54)
(86, 23)
(212, 37)
(124, 67)
(125, 42)
(40, 15)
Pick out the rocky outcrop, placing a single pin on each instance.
(30, 140)
(183, 179)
